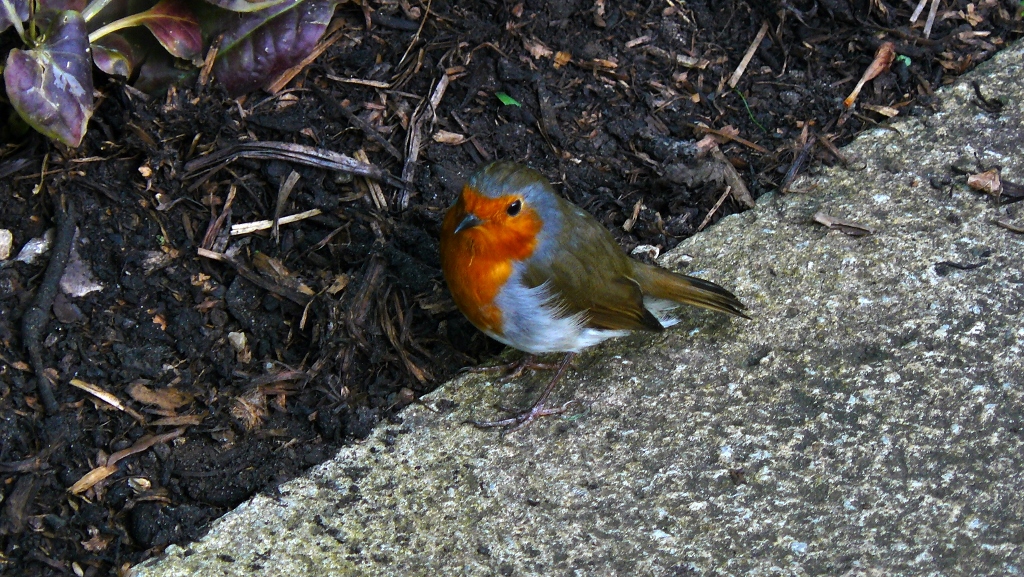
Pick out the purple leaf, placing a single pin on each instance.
(115, 55)
(60, 5)
(20, 11)
(51, 85)
(261, 45)
(172, 22)
(175, 27)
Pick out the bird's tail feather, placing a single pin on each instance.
(665, 284)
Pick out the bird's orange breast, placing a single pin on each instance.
(478, 261)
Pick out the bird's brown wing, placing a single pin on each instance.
(590, 273)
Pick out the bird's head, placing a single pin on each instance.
(500, 212)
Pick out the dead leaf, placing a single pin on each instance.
(988, 182)
(991, 182)
(562, 58)
(98, 542)
(250, 409)
(884, 56)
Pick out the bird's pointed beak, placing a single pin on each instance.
(469, 221)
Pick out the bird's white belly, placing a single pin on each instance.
(536, 321)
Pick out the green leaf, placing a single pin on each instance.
(506, 99)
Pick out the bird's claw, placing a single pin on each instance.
(522, 420)
(512, 370)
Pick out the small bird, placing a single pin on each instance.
(538, 273)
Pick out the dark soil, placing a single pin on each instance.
(614, 126)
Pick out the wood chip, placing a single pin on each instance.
(714, 209)
(90, 479)
(169, 398)
(340, 282)
(283, 192)
(361, 82)
(844, 226)
(376, 193)
(449, 138)
(734, 80)
(537, 49)
(638, 41)
(631, 221)
(740, 192)
(143, 444)
(274, 269)
(179, 420)
(258, 225)
(107, 398)
(680, 59)
(886, 111)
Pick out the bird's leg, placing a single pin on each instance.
(515, 369)
(538, 409)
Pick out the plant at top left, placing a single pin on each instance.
(49, 81)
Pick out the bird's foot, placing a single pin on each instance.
(523, 419)
(515, 369)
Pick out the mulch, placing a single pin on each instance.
(189, 368)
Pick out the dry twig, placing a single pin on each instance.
(107, 398)
(258, 225)
(735, 79)
(307, 155)
(715, 208)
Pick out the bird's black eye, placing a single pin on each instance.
(515, 207)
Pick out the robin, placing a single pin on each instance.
(537, 273)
